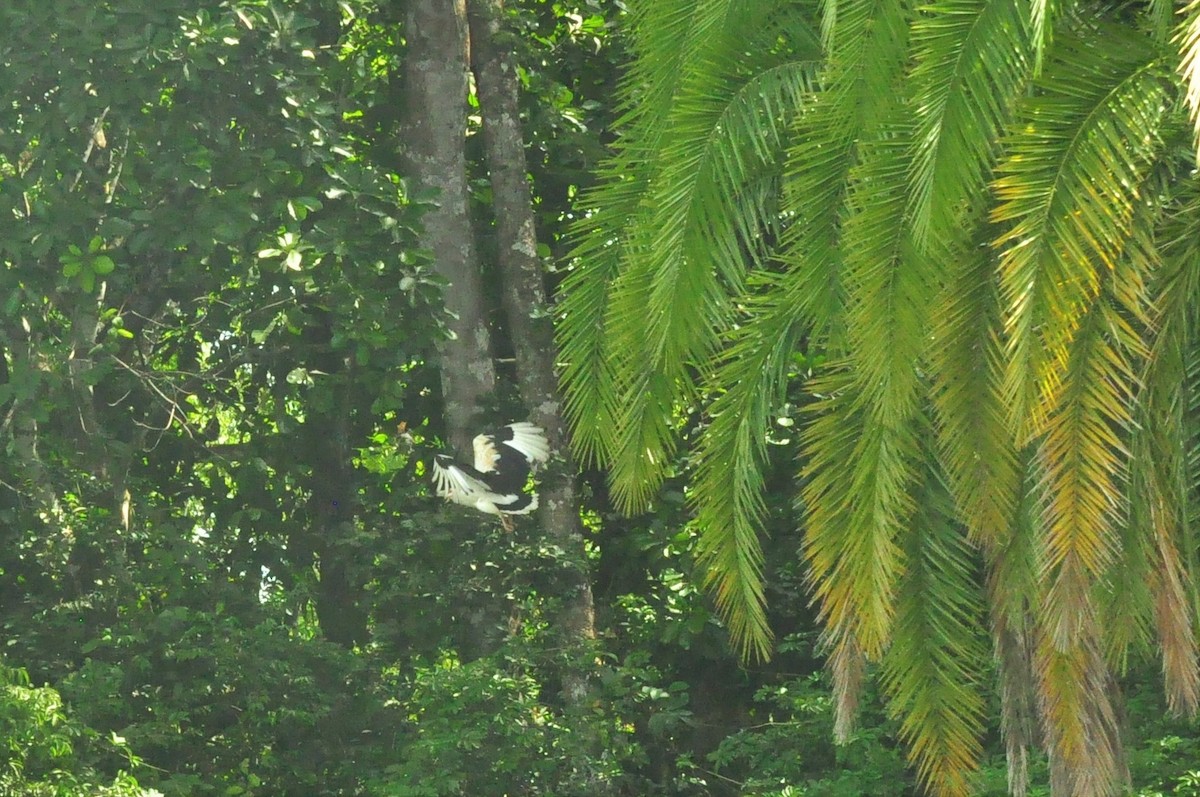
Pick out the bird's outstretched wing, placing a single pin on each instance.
(523, 439)
(455, 483)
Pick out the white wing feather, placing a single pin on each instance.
(530, 440)
(455, 485)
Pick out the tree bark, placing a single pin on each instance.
(527, 313)
(334, 503)
(433, 145)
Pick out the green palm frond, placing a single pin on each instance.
(933, 670)
(887, 282)
(673, 299)
(675, 251)
(1067, 188)
(664, 41)
(860, 83)
(728, 496)
(1160, 19)
(1042, 15)
(588, 383)
(978, 214)
(593, 397)
(972, 62)
(973, 438)
(1166, 458)
(1126, 601)
(814, 193)
(864, 443)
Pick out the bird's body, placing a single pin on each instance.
(496, 483)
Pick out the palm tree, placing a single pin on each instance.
(985, 216)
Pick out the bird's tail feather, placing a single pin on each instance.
(530, 440)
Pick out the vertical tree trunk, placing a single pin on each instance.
(525, 308)
(334, 504)
(433, 145)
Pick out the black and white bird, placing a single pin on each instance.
(497, 482)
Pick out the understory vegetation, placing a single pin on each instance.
(223, 337)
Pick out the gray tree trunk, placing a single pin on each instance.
(432, 141)
(526, 310)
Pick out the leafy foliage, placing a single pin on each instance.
(217, 408)
(47, 753)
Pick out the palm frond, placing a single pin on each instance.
(866, 42)
(1127, 599)
(1160, 17)
(1084, 454)
(1042, 15)
(1128, 602)
(1068, 187)
(681, 248)
(1014, 563)
(1164, 460)
(1018, 711)
(858, 497)
(1188, 39)
(1076, 696)
(664, 39)
(689, 252)
(731, 454)
(861, 444)
(974, 442)
(588, 383)
(933, 670)
(888, 284)
(973, 59)
(1013, 588)
(847, 667)
(1174, 615)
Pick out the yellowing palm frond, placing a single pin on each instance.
(933, 670)
(857, 497)
(1067, 191)
(1188, 39)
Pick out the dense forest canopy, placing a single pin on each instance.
(873, 468)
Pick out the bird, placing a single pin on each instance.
(497, 482)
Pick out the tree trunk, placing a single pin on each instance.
(526, 310)
(334, 504)
(433, 146)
